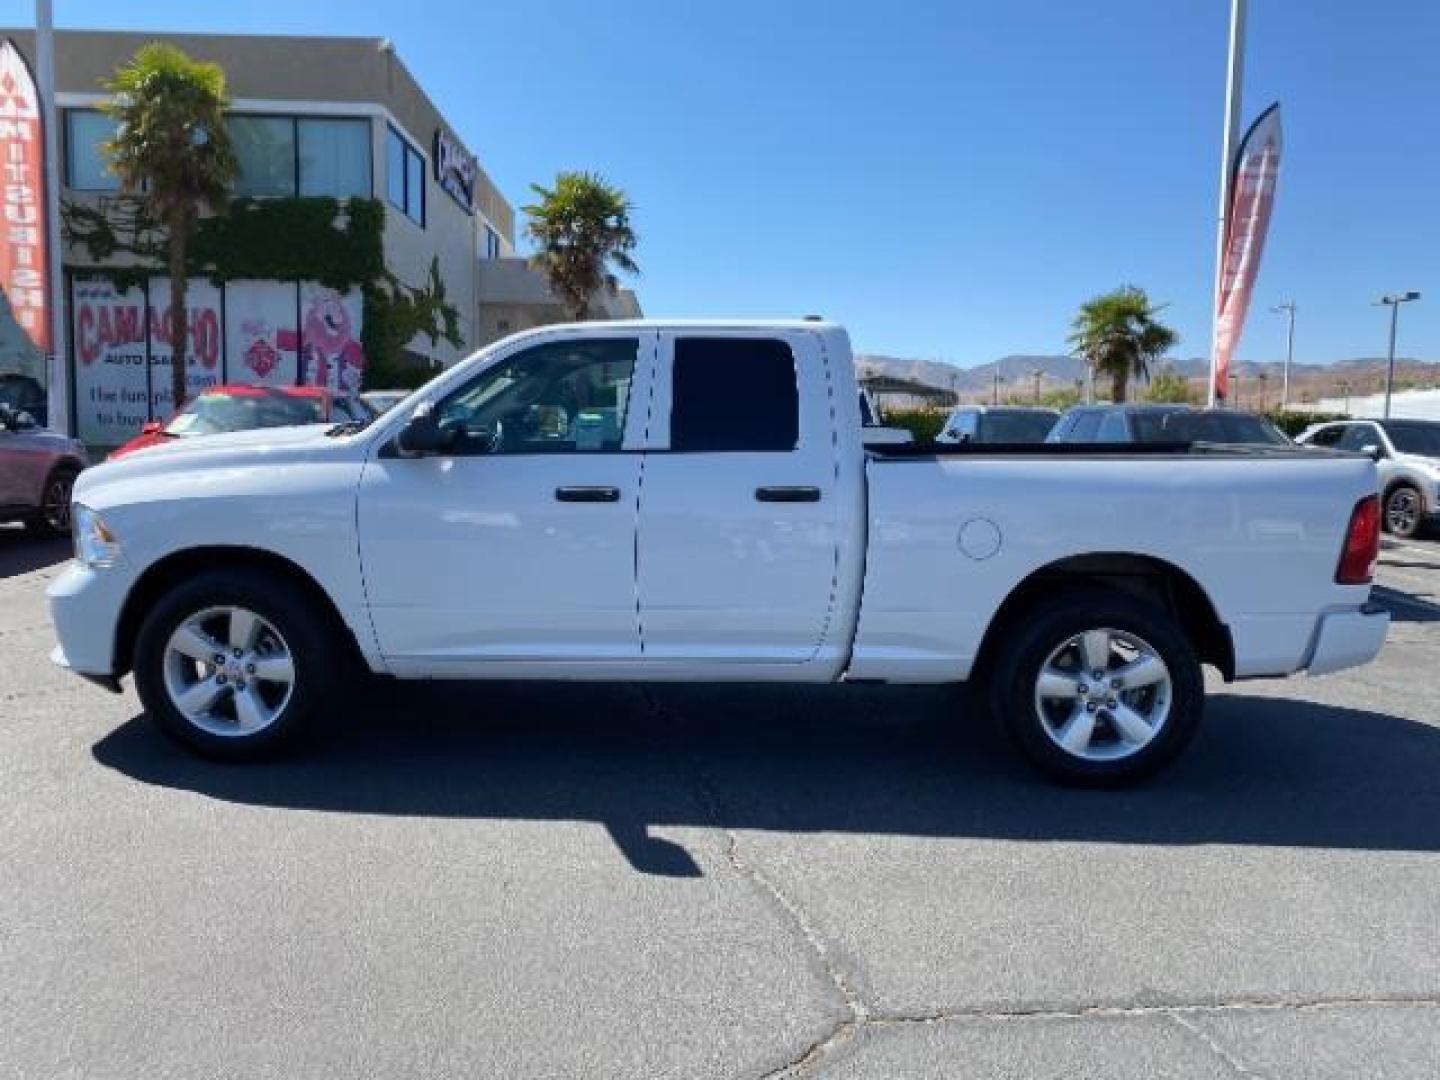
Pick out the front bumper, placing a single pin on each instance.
(109, 682)
(1346, 639)
(85, 607)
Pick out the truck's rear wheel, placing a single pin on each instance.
(232, 664)
(1098, 688)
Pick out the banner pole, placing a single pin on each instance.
(1233, 87)
(58, 376)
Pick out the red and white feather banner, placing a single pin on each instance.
(22, 198)
(1252, 195)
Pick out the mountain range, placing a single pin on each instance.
(1017, 373)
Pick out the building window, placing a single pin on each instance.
(86, 168)
(283, 156)
(334, 157)
(707, 415)
(265, 149)
(404, 177)
(492, 244)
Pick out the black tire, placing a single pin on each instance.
(1032, 640)
(316, 658)
(53, 517)
(1404, 511)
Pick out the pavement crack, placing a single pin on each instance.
(1238, 1067)
(1176, 1009)
(856, 1012)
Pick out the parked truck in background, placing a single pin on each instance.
(694, 501)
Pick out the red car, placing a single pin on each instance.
(243, 408)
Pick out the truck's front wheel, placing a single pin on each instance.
(1098, 688)
(233, 664)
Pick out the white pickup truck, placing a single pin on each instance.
(695, 501)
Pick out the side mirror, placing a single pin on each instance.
(421, 435)
(1372, 451)
(152, 427)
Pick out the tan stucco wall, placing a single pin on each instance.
(513, 297)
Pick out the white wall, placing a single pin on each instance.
(1404, 405)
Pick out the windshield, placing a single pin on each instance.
(1016, 427)
(211, 414)
(384, 400)
(1212, 426)
(20, 391)
(1415, 437)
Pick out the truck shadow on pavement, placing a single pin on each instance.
(20, 553)
(873, 760)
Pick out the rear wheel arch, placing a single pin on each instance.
(166, 573)
(1399, 482)
(1142, 577)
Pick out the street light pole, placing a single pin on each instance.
(1393, 301)
(1038, 375)
(1287, 308)
(995, 391)
(57, 376)
(1235, 77)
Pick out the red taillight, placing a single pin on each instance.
(1362, 544)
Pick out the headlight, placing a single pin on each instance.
(95, 544)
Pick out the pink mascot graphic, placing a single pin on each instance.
(332, 354)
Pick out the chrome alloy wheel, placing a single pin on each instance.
(1402, 511)
(228, 671)
(1103, 695)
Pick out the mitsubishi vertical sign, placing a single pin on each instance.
(1252, 194)
(22, 198)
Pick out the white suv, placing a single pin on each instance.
(1407, 456)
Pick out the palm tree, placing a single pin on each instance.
(581, 228)
(172, 148)
(1118, 335)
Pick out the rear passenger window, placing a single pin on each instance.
(735, 395)
(1112, 428)
(1085, 428)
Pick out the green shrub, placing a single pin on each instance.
(1292, 422)
(923, 424)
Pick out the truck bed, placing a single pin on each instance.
(912, 451)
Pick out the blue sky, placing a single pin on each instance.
(950, 179)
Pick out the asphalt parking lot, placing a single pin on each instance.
(614, 881)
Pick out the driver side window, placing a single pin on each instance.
(559, 397)
(1359, 436)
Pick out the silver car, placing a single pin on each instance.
(37, 471)
(1407, 456)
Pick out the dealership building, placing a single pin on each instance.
(310, 116)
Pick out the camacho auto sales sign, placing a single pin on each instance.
(22, 198)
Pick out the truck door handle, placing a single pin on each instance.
(587, 494)
(787, 494)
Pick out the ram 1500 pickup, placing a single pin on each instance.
(695, 501)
